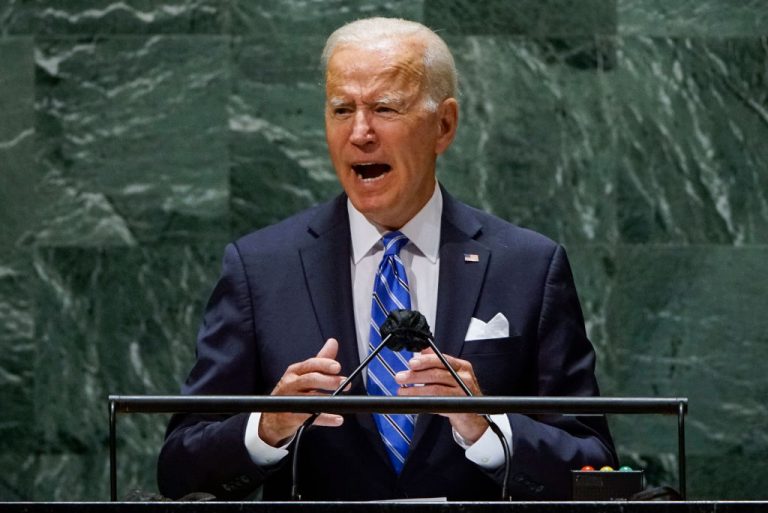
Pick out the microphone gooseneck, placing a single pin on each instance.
(403, 329)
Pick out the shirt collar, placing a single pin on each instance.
(423, 230)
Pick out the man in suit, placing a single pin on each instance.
(292, 313)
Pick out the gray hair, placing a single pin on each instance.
(442, 78)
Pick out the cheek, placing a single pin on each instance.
(335, 151)
(336, 133)
(331, 136)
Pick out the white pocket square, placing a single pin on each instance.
(498, 327)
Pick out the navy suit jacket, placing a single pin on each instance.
(285, 289)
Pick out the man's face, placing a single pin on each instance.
(382, 138)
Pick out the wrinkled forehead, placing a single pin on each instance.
(398, 62)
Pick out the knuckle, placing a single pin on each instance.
(292, 381)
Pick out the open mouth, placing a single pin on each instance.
(371, 171)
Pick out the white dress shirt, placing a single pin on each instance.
(421, 259)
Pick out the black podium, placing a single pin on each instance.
(526, 405)
(357, 404)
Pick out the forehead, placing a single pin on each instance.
(389, 64)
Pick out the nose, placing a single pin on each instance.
(362, 130)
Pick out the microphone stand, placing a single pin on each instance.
(295, 495)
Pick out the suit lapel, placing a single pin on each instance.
(325, 262)
(460, 283)
(463, 262)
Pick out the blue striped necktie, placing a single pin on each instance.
(390, 292)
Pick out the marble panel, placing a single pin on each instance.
(689, 322)
(715, 18)
(692, 119)
(109, 321)
(132, 139)
(17, 207)
(548, 18)
(84, 476)
(17, 352)
(534, 141)
(17, 169)
(594, 272)
(288, 18)
(53, 17)
(280, 162)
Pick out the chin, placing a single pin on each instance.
(375, 214)
(372, 213)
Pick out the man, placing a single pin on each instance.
(293, 314)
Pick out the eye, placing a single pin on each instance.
(385, 110)
(341, 111)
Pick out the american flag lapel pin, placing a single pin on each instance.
(471, 257)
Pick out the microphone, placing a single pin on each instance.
(406, 329)
(402, 329)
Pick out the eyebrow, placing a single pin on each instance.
(387, 99)
(337, 102)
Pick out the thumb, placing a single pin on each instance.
(329, 350)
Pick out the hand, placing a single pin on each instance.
(428, 371)
(314, 376)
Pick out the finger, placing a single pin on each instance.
(314, 364)
(429, 359)
(322, 382)
(311, 382)
(329, 420)
(436, 376)
(330, 349)
(430, 390)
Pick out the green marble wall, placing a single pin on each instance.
(137, 137)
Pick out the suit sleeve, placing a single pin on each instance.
(208, 453)
(547, 447)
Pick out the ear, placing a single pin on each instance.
(448, 121)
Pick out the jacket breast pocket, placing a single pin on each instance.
(491, 346)
(499, 364)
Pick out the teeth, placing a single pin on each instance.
(374, 179)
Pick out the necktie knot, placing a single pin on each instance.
(393, 243)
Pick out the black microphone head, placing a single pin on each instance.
(408, 329)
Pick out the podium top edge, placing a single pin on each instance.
(429, 404)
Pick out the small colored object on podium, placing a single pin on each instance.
(606, 485)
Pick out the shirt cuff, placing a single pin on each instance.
(487, 451)
(261, 452)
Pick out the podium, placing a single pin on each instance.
(347, 404)
(363, 404)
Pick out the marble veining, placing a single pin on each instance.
(690, 172)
